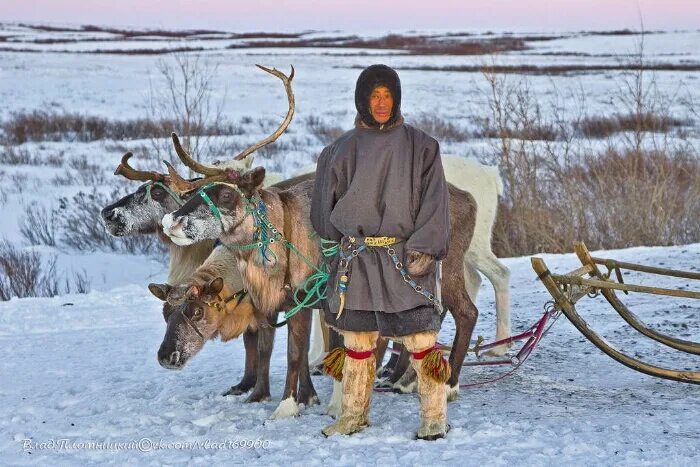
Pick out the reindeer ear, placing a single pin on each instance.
(159, 290)
(214, 286)
(252, 180)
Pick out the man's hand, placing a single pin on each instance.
(419, 264)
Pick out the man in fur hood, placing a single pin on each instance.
(381, 193)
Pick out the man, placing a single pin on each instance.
(384, 179)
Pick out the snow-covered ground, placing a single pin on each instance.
(83, 367)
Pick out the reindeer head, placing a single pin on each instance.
(142, 210)
(195, 314)
(224, 197)
(216, 210)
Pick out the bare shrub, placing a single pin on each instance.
(25, 274)
(81, 282)
(67, 178)
(187, 100)
(325, 132)
(19, 182)
(441, 129)
(88, 174)
(38, 226)
(639, 191)
(17, 156)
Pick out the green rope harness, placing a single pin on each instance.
(266, 234)
(173, 195)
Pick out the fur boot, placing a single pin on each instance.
(433, 397)
(358, 383)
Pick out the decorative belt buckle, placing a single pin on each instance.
(380, 241)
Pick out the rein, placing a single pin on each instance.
(266, 234)
(219, 305)
(149, 185)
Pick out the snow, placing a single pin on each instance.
(83, 368)
(88, 372)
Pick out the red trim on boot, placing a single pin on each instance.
(359, 355)
(423, 353)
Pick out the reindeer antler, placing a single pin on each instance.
(214, 173)
(191, 163)
(287, 80)
(179, 184)
(125, 170)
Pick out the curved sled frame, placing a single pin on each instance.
(626, 313)
(566, 290)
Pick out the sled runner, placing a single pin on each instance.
(589, 280)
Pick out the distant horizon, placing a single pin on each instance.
(362, 16)
(475, 31)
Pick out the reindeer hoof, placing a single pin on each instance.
(238, 389)
(258, 397)
(384, 372)
(408, 388)
(287, 408)
(452, 392)
(383, 383)
(308, 400)
(498, 351)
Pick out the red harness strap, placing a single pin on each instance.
(358, 355)
(423, 353)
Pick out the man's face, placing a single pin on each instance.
(380, 104)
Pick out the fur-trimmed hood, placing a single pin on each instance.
(370, 78)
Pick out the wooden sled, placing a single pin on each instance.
(567, 289)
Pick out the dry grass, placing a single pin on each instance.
(609, 200)
(441, 129)
(324, 131)
(602, 127)
(64, 126)
(25, 274)
(553, 70)
(415, 45)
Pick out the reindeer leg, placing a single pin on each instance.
(464, 313)
(307, 394)
(382, 344)
(317, 347)
(335, 339)
(499, 275)
(266, 339)
(250, 341)
(298, 330)
(402, 363)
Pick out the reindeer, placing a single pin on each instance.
(213, 303)
(226, 209)
(140, 212)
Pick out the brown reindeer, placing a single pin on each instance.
(226, 208)
(213, 303)
(269, 281)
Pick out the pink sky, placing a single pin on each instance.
(362, 15)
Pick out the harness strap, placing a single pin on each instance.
(192, 325)
(212, 207)
(178, 199)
